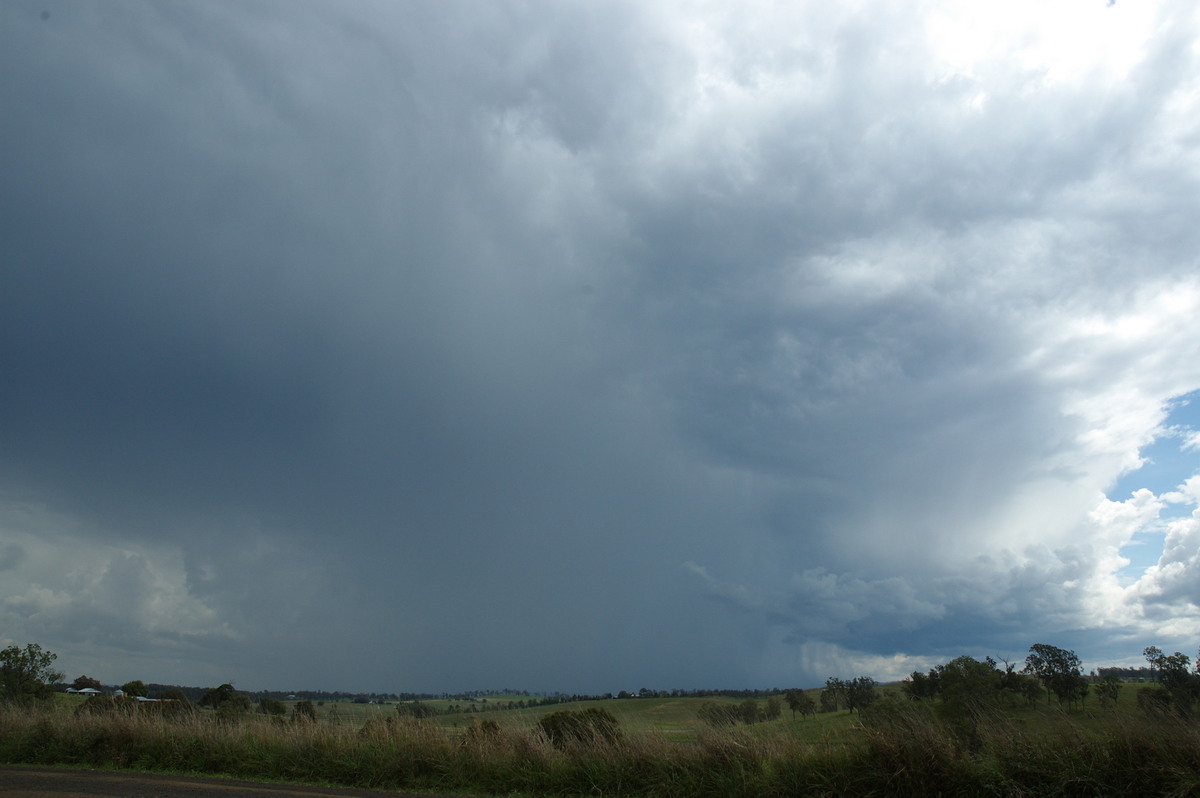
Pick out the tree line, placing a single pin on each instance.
(1050, 671)
(1056, 673)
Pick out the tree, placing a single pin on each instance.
(970, 691)
(272, 706)
(749, 711)
(1026, 686)
(968, 685)
(1058, 670)
(860, 693)
(800, 701)
(173, 694)
(1152, 654)
(228, 703)
(1176, 679)
(217, 696)
(135, 688)
(27, 673)
(834, 694)
(1015, 686)
(1108, 690)
(85, 682)
(774, 708)
(1082, 688)
(920, 686)
(793, 698)
(1173, 670)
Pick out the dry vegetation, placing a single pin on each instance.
(896, 748)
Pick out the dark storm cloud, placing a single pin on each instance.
(491, 343)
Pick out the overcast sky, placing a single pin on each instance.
(589, 346)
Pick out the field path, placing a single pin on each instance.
(36, 782)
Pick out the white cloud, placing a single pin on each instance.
(1166, 592)
(1065, 41)
(100, 604)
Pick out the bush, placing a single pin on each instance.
(304, 711)
(415, 709)
(1154, 700)
(585, 727)
(1108, 691)
(271, 706)
(717, 714)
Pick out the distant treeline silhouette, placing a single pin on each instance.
(483, 699)
(1142, 674)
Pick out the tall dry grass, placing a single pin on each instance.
(901, 750)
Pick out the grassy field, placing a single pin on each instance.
(895, 748)
(672, 718)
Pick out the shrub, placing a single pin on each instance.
(1108, 691)
(717, 714)
(749, 711)
(271, 706)
(304, 712)
(415, 709)
(1154, 700)
(584, 727)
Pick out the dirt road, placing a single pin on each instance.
(33, 782)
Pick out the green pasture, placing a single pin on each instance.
(676, 719)
(671, 718)
(895, 747)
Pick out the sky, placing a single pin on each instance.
(392, 346)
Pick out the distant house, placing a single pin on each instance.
(87, 691)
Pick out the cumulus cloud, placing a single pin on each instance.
(115, 606)
(1165, 593)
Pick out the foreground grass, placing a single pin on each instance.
(900, 750)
